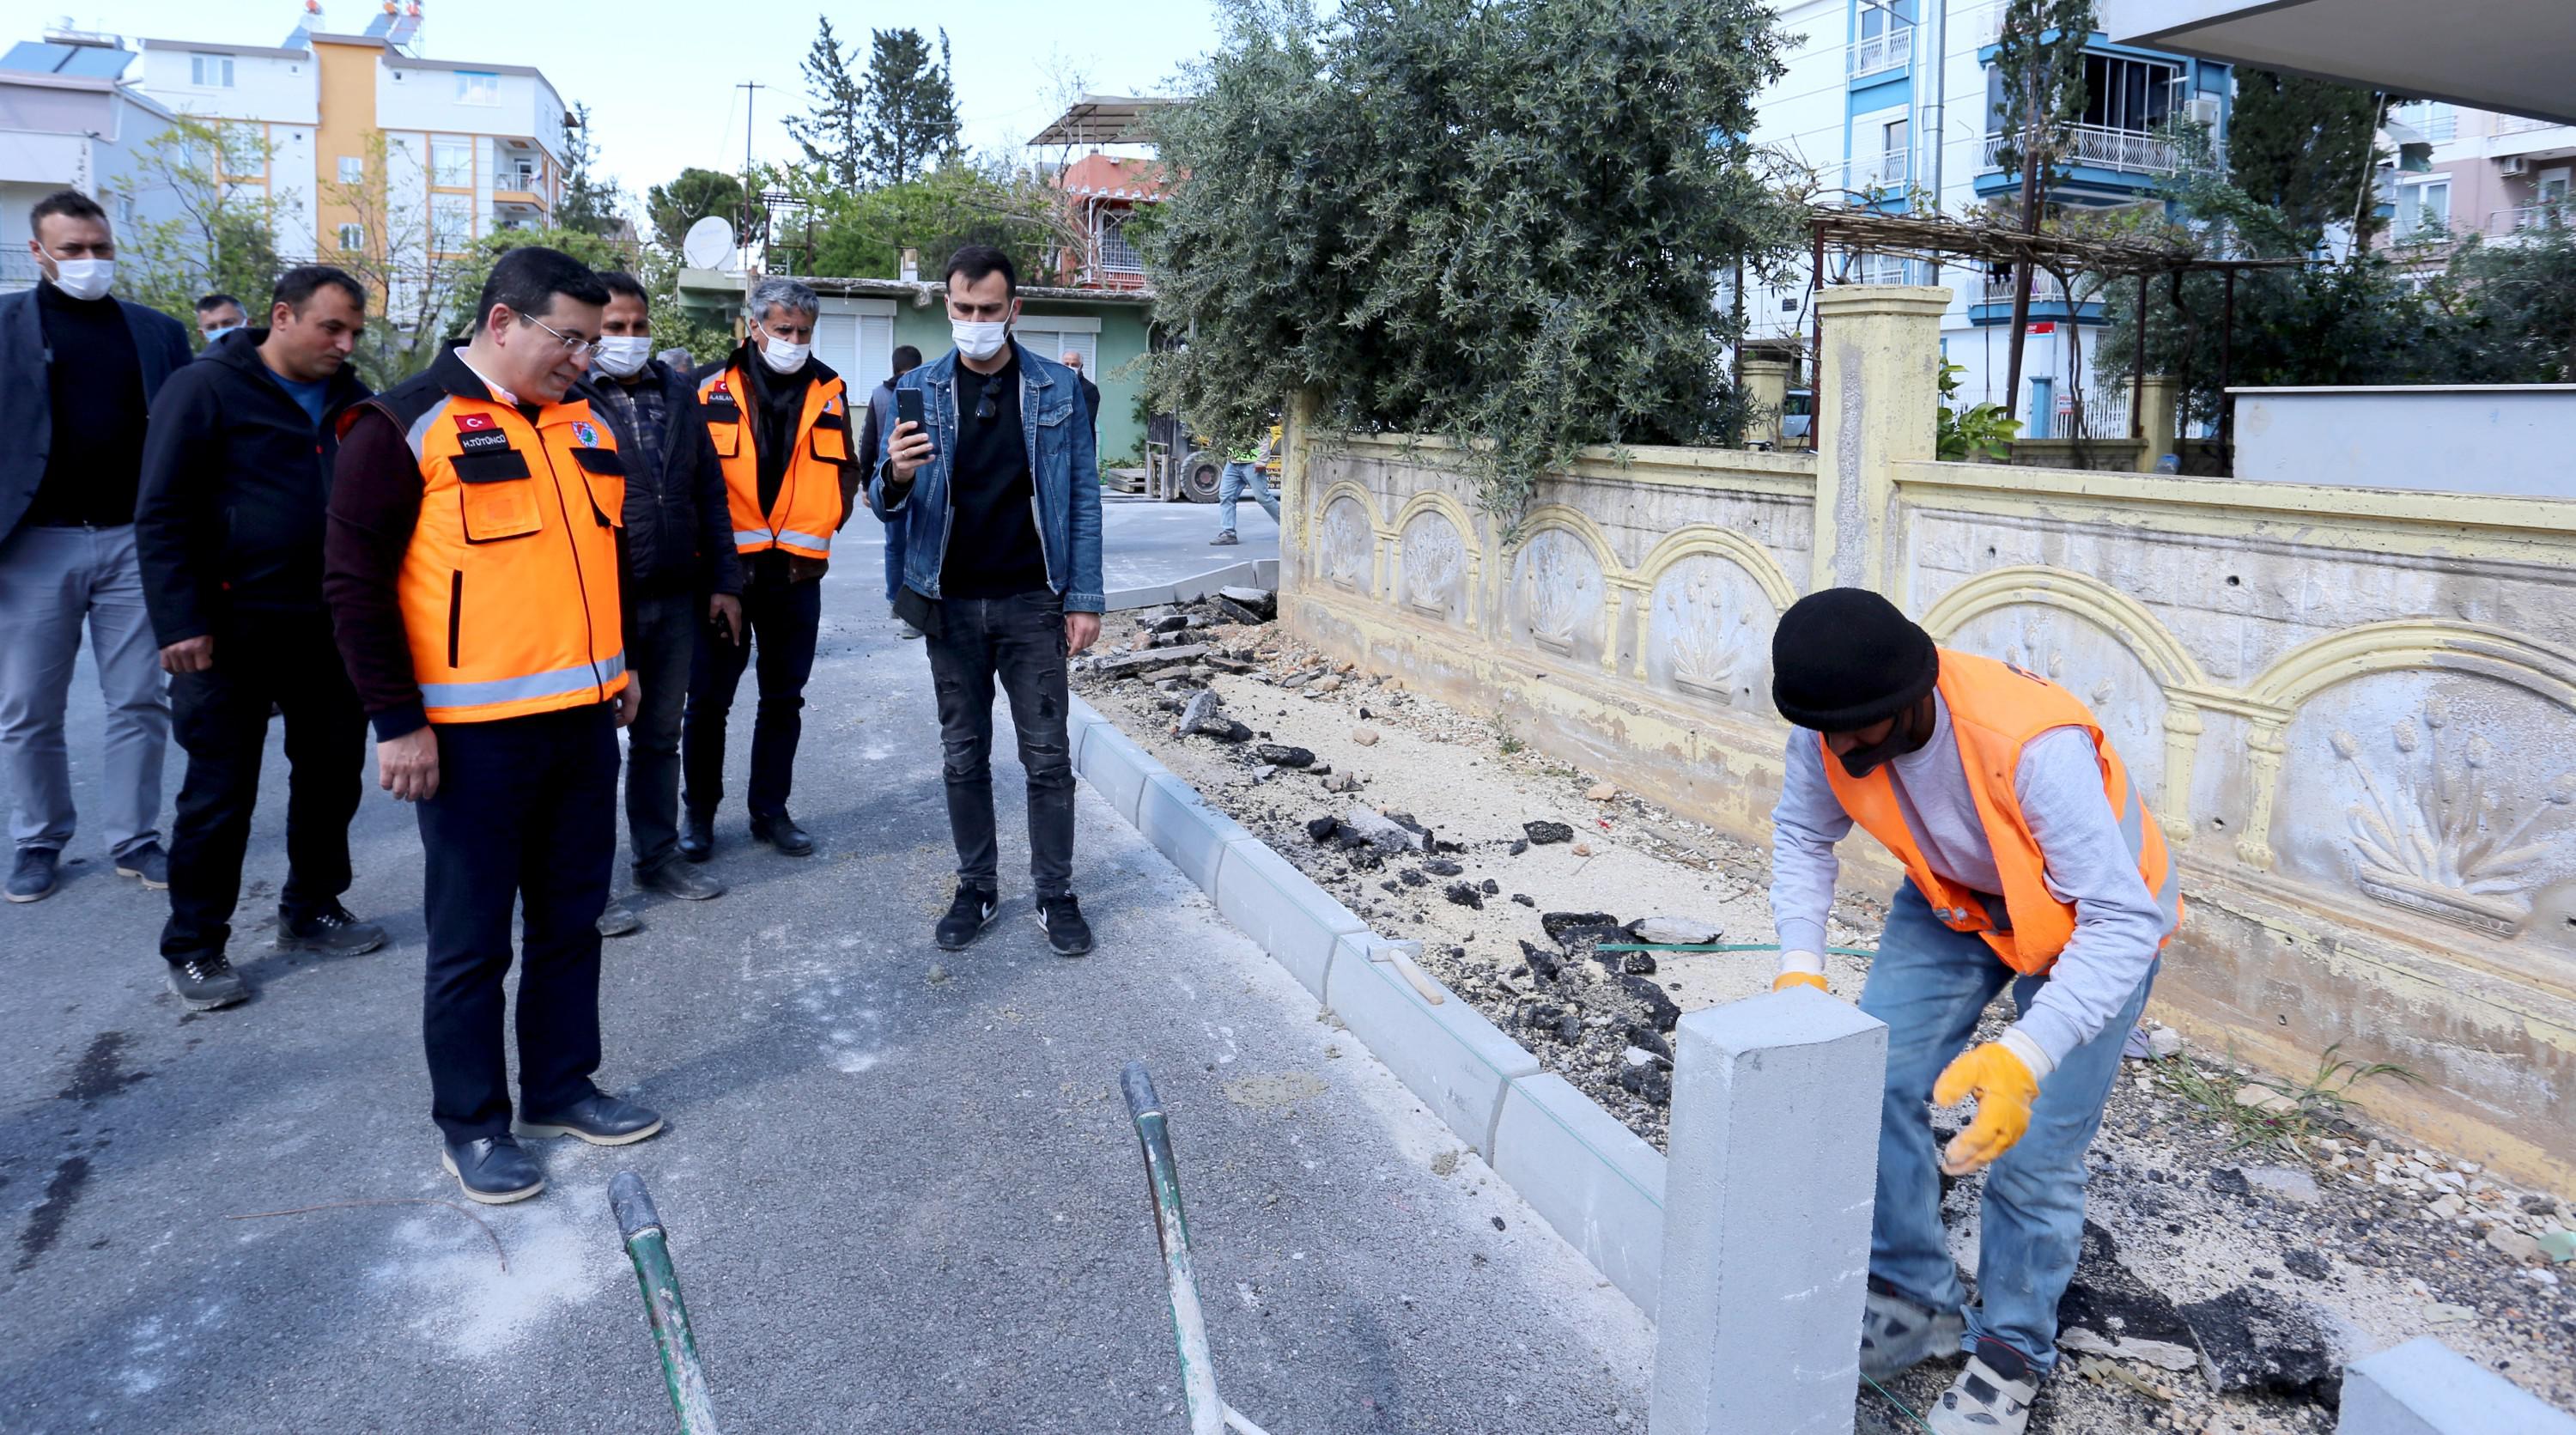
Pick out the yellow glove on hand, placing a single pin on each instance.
(1786, 980)
(1800, 969)
(2004, 1083)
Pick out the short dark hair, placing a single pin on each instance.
(976, 261)
(70, 203)
(618, 281)
(301, 283)
(212, 302)
(528, 279)
(906, 359)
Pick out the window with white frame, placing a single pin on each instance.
(451, 222)
(353, 238)
(1880, 143)
(2424, 210)
(478, 87)
(451, 162)
(210, 72)
(1117, 255)
(1054, 336)
(353, 169)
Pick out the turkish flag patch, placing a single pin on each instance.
(468, 423)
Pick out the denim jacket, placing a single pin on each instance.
(1063, 466)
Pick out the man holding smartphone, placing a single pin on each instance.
(993, 473)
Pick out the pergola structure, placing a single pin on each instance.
(1099, 120)
(1936, 239)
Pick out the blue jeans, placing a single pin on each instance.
(1230, 486)
(1929, 984)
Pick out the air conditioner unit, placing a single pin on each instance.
(2204, 111)
(2515, 167)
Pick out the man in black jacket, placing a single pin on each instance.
(680, 573)
(236, 481)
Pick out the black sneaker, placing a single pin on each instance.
(698, 836)
(493, 1170)
(148, 864)
(1061, 918)
(968, 916)
(207, 983)
(333, 931)
(35, 875)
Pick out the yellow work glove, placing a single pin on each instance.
(1800, 969)
(2004, 1077)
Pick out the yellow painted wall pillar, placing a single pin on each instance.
(2156, 398)
(1878, 392)
(1766, 383)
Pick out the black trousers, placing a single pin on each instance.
(1020, 641)
(526, 818)
(661, 646)
(221, 719)
(783, 618)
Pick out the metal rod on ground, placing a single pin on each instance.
(1163, 1183)
(649, 1248)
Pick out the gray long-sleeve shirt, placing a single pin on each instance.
(2117, 923)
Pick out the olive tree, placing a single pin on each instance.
(1498, 221)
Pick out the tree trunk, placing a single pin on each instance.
(2029, 225)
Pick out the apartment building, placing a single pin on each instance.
(369, 146)
(1892, 103)
(70, 120)
(2483, 173)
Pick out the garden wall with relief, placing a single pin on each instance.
(2354, 713)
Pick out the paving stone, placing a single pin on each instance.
(1449, 1055)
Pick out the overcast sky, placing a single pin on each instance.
(658, 75)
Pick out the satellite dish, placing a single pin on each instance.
(709, 244)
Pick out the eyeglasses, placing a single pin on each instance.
(573, 343)
(987, 408)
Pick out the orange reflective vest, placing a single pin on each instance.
(509, 590)
(809, 507)
(1996, 708)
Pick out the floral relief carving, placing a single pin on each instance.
(2432, 835)
(1347, 542)
(1434, 561)
(1561, 585)
(1711, 644)
(2034, 648)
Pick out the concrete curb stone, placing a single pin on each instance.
(1282, 909)
(1449, 1055)
(1181, 823)
(1597, 1182)
(1112, 762)
(2424, 1387)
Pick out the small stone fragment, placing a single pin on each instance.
(2515, 1245)
(1464, 895)
(1582, 849)
(1544, 833)
(1442, 867)
(938, 973)
(1490, 887)
(2287, 1183)
(1675, 931)
(2163, 1043)
(1520, 845)
(1638, 964)
(1524, 899)
(1202, 706)
(2302, 1261)
(1602, 791)
(1364, 736)
(1322, 828)
(2265, 1100)
(1281, 755)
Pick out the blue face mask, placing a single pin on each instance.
(215, 336)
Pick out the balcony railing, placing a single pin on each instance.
(2523, 124)
(2559, 214)
(1885, 51)
(18, 270)
(2101, 147)
(1868, 174)
(2044, 288)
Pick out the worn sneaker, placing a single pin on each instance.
(35, 875)
(207, 983)
(493, 1170)
(619, 920)
(1224, 539)
(673, 878)
(333, 931)
(968, 915)
(906, 630)
(149, 863)
(1061, 919)
(1896, 1334)
(1988, 1399)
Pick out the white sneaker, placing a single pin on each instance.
(1983, 1402)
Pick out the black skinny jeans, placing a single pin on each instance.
(1019, 640)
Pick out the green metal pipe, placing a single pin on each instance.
(650, 1249)
(1163, 1182)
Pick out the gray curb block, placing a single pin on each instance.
(1257, 573)
(1596, 1182)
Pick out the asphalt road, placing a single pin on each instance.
(1146, 543)
(899, 1201)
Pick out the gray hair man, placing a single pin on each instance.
(780, 422)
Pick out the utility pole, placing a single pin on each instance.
(750, 93)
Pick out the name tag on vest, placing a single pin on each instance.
(482, 441)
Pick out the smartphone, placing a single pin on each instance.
(907, 408)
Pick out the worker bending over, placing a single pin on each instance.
(2034, 864)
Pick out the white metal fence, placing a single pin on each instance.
(2101, 147)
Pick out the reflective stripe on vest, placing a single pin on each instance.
(808, 509)
(1995, 710)
(580, 678)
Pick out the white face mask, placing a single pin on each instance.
(980, 340)
(84, 278)
(622, 354)
(783, 357)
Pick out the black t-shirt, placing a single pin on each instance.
(96, 465)
(993, 547)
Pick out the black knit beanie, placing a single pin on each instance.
(1845, 658)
